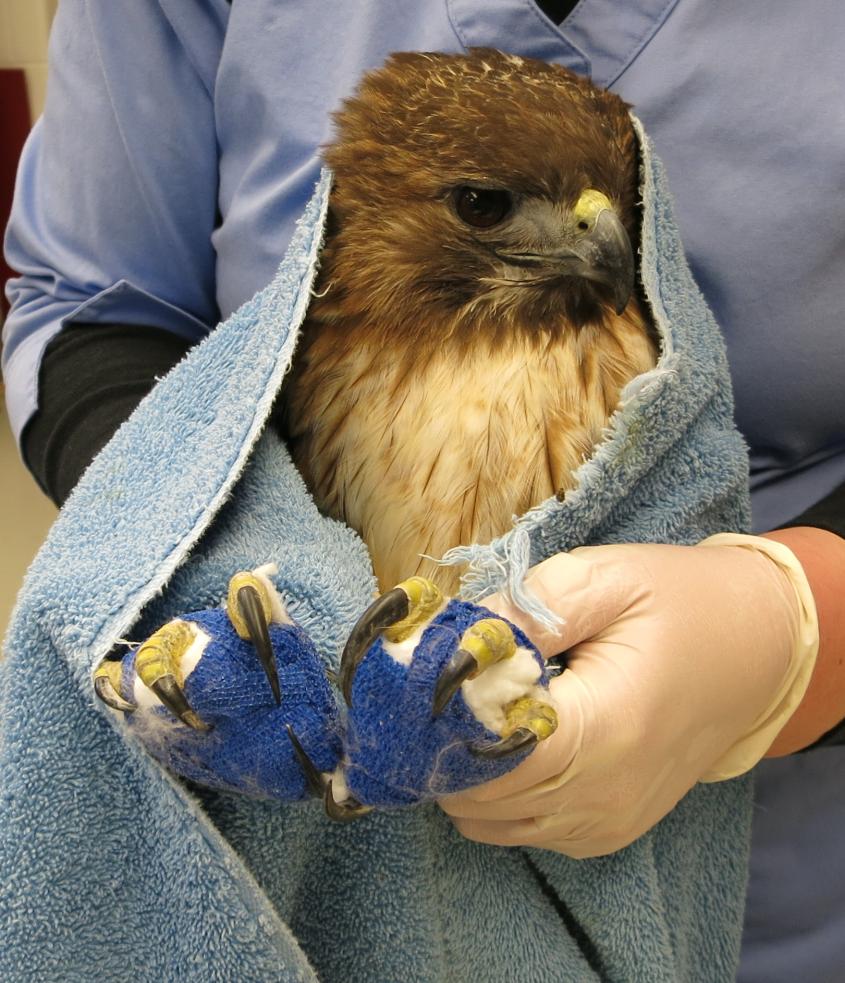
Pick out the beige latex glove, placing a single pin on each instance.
(684, 662)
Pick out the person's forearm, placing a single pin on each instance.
(822, 555)
(92, 378)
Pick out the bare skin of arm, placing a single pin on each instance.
(822, 555)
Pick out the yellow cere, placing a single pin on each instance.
(589, 205)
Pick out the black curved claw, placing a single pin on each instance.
(314, 778)
(249, 604)
(461, 666)
(382, 613)
(520, 740)
(343, 812)
(167, 690)
(109, 695)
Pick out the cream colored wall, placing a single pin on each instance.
(24, 26)
(25, 517)
(25, 514)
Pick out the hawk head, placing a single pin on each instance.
(480, 192)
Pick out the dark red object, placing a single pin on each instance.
(15, 122)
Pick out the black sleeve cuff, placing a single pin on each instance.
(92, 378)
(827, 514)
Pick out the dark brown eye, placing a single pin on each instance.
(482, 207)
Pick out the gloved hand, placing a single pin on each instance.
(683, 663)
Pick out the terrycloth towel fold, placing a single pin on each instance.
(111, 870)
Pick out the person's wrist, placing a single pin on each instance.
(803, 648)
(822, 555)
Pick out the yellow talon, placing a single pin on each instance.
(158, 663)
(528, 713)
(482, 645)
(108, 678)
(112, 670)
(161, 654)
(488, 641)
(233, 609)
(424, 600)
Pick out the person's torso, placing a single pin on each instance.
(744, 105)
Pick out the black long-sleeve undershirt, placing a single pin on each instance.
(92, 377)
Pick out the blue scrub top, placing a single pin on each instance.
(180, 142)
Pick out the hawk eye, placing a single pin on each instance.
(482, 207)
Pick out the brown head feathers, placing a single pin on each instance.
(425, 121)
(425, 126)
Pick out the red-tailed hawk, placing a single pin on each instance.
(476, 313)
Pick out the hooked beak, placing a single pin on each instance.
(594, 245)
(604, 254)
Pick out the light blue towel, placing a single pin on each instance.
(111, 870)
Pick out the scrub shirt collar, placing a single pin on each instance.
(599, 38)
